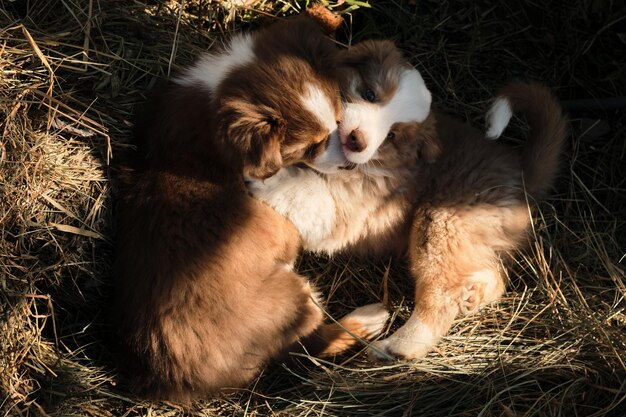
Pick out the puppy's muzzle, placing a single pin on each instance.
(355, 142)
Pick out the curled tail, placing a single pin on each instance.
(548, 130)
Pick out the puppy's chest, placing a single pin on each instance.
(370, 208)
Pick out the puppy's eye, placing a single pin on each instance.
(369, 95)
(314, 150)
(391, 135)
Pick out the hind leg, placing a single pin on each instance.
(456, 271)
(288, 289)
(287, 306)
(363, 323)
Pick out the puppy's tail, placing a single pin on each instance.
(548, 131)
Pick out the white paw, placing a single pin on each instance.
(409, 342)
(372, 318)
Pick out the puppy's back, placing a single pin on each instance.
(202, 295)
(205, 295)
(202, 298)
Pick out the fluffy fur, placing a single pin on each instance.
(426, 185)
(204, 292)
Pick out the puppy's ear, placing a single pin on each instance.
(264, 158)
(429, 148)
(420, 136)
(256, 132)
(371, 54)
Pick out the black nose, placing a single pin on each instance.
(356, 141)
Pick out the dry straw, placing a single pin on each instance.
(71, 73)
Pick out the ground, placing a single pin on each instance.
(71, 75)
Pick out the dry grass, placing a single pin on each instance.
(70, 75)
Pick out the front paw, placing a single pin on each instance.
(405, 344)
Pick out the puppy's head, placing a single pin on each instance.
(386, 104)
(291, 126)
(283, 106)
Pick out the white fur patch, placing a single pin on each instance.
(212, 68)
(410, 103)
(319, 104)
(302, 196)
(332, 158)
(498, 117)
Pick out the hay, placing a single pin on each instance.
(71, 74)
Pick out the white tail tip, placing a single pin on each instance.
(498, 117)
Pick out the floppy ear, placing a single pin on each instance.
(422, 137)
(256, 132)
(429, 148)
(264, 159)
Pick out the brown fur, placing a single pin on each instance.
(436, 190)
(472, 210)
(204, 293)
(469, 205)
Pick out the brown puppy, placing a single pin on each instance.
(205, 294)
(424, 183)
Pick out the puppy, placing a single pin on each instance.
(426, 185)
(364, 210)
(205, 294)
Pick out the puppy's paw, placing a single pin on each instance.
(405, 344)
(471, 298)
(390, 350)
(481, 287)
(370, 319)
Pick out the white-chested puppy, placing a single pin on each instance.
(204, 294)
(426, 185)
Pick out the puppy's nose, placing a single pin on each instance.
(356, 141)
